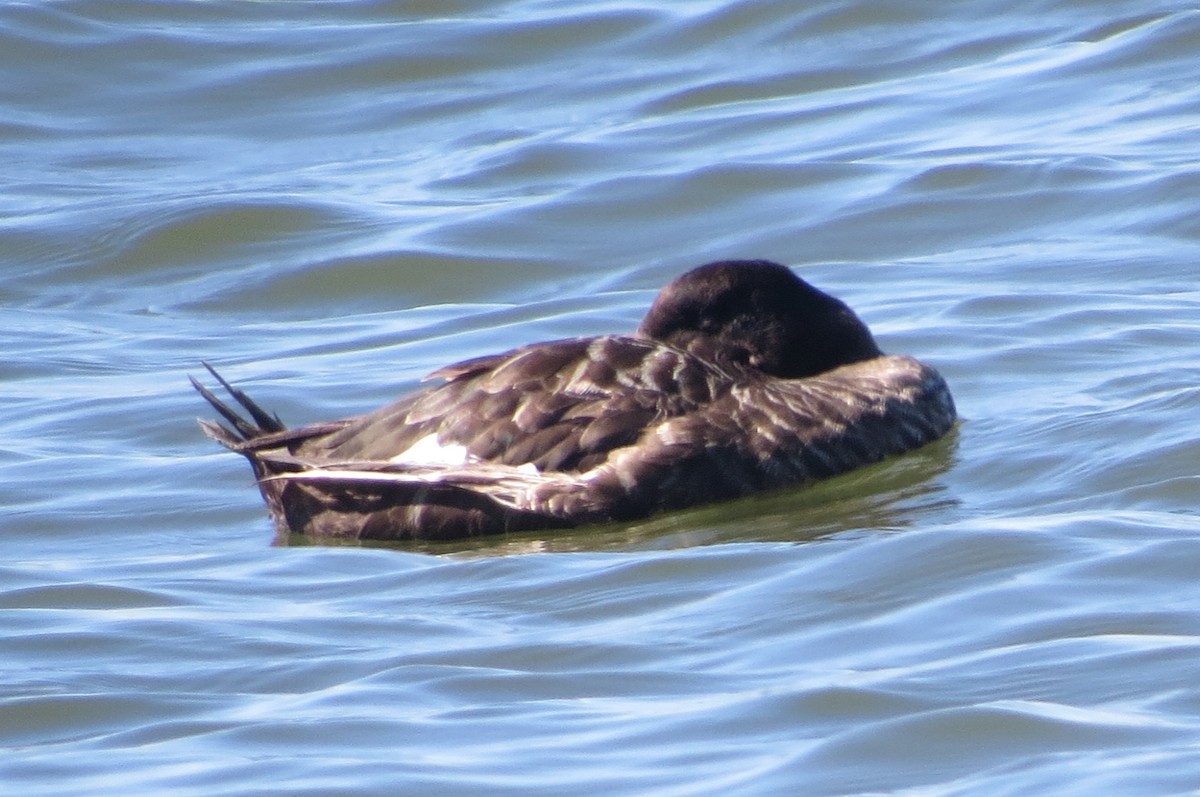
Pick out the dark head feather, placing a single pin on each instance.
(779, 323)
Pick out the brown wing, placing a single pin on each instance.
(764, 434)
(562, 406)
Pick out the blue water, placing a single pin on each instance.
(330, 199)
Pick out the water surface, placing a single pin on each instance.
(330, 199)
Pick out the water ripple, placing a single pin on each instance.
(330, 200)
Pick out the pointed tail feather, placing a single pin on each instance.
(260, 422)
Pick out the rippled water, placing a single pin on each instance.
(329, 199)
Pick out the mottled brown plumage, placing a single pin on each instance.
(742, 378)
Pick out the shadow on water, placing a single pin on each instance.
(887, 496)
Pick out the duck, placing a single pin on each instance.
(741, 378)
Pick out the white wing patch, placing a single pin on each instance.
(428, 452)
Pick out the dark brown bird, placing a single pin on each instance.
(742, 377)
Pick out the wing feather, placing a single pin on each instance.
(561, 406)
(765, 434)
